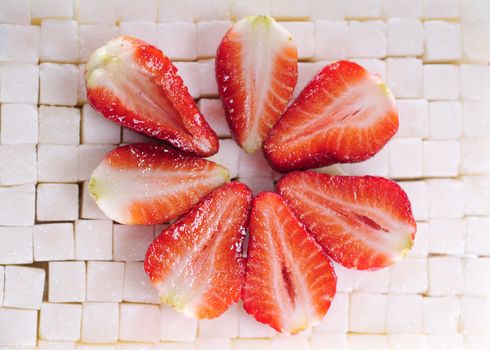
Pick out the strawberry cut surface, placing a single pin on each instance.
(364, 223)
(151, 184)
(343, 115)
(256, 72)
(134, 84)
(289, 281)
(197, 263)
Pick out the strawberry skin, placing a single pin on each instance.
(364, 222)
(289, 280)
(150, 184)
(256, 72)
(343, 115)
(197, 263)
(136, 85)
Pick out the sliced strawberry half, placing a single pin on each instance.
(151, 184)
(197, 263)
(361, 222)
(343, 115)
(136, 85)
(289, 281)
(256, 71)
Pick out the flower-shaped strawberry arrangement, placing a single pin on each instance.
(198, 264)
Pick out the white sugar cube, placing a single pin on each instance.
(420, 247)
(19, 43)
(51, 9)
(15, 11)
(90, 210)
(441, 158)
(445, 120)
(95, 347)
(225, 326)
(57, 202)
(477, 276)
(476, 121)
(178, 40)
(131, 242)
(478, 341)
(59, 125)
(95, 11)
(440, 8)
(175, 326)
(96, 129)
(413, 117)
(441, 82)
(320, 341)
(306, 72)
(130, 136)
(2, 280)
(213, 111)
(55, 345)
(446, 236)
(207, 79)
(227, 156)
(372, 65)
(19, 83)
(373, 32)
(89, 157)
(367, 313)
(174, 346)
(15, 245)
(17, 205)
(100, 322)
(19, 124)
(406, 158)
(289, 343)
(18, 164)
(332, 10)
(139, 322)
(137, 285)
(253, 165)
(248, 327)
(402, 8)
(171, 11)
(362, 8)
(12, 334)
(365, 341)
(409, 276)
(60, 322)
(445, 276)
(189, 72)
(303, 34)
(209, 35)
(331, 40)
(372, 281)
(246, 344)
(407, 341)
(290, 9)
(134, 346)
(24, 287)
(143, 10)
(404, 314)
(81, 88)
(475, 158)
(445, 198)
(67, 281)
(144, 30)
(345, 278)
(337, 318)
(442, 41)
(377, 165)
(259, 184)
(93, 240)
(57, 163)
(440, 315)
(478, 235)
(405, 36)
(475, 49)
(404, 77)
(59, 40)
(475, 315)
(446, 341)
(242, 8)
(53, 242)
(105, 281)
(93, 36)
(475, 81)
(58, 84)
(475, 10)
(208, 10)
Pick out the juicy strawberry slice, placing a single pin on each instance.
(197, 264)
(361, 222)
(256, 71)
(343, 115)
(136, 85)
(151, 184)
(289, 281)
